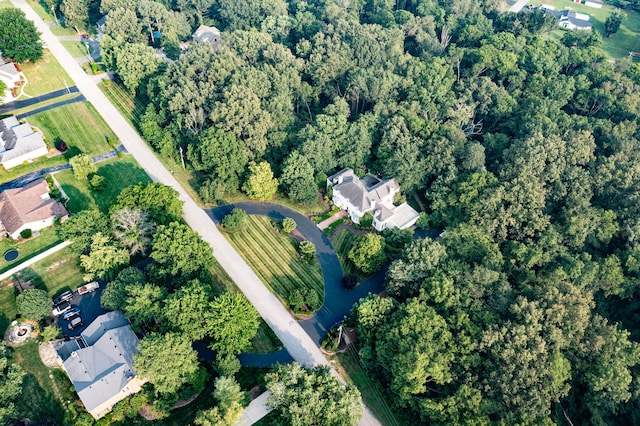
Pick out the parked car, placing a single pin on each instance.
(76, 322)
(61, 309)
(64, 297)
(74, 311)
(88, 288)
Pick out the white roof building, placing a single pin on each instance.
(19, 143)
(205, 34)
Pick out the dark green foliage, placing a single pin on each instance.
(613, 22)
(307, 250)
(80, 228)
(19, 39)
(26, 233)
(114, 296)
(11, 376)
(366, 220)
(233, 220)
(34, 304)
(159, 200)
(367, 253)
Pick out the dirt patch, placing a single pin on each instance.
(55, 265)
(297, 235)
(48, 355)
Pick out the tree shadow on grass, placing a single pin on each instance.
(117, 176)
(78, 200)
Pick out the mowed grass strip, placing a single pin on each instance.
(274, 258)
(343, 241)
(79, 125)
(130, 107)
(44, 76)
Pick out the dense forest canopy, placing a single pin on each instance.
(523, 147)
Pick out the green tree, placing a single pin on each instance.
(288, 225)
(367, 253)
(76, 13)
(50, 332)
(34, 304)
(307, 250)
(19, 39)
(168, 361)
(180, 253)
(83, 166)
(229, 399)
(80, 229)
(187, 310)
(233, 220)
(135, 63)
(232, 323)
(613, 22)
(11, 377)
(96, 182)
(144, 306)
(306, 397)
(297, 179)
(159, 200)
(134, 229)
(105, 258)
(260, 184)
(114, 296)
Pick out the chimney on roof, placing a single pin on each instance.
(373, 204)
(74, 354)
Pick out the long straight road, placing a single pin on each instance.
(291, 334)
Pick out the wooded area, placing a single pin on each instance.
(523, 146)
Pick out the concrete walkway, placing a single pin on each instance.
(33, 260)
(256, 410)
(301, 347)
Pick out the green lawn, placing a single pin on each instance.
(343, 241)
(46, 392)
(8, 310)
(44, 76)
(76, 48)
(265, 340)
(274, 258)
(79, 125)
(119, 173)
(617, 46)
(60, 271)
(65, 97)
(42, 162)
(5, 4)
(41, 10)
(27, 248)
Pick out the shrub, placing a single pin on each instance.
(234, 219)
(367, 253)
(366, 220)
(61, 146)
(34, 304)
(26, 233)
(50, 332)
(308, 251)
(97, 182)
(288, 225)
(423, 221)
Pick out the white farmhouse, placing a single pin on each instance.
(370, 194)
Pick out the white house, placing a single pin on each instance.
(29, 207)
(11, 78)
(205, 34)
(19, 143)
(593, 3)
(567, 18)
(370, 194)
(100, 363)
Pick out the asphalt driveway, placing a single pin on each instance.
(89, 305)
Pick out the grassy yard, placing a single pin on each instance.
(265, 340)
(41, 10)
(27, 248)
(76, 48)
(44, 76)
(342, 241)
(5, 4)
(274, 258)
(119, 173)
(617, 46)
(8, 310)
(59, 271)
(46, 392)
(79, 125)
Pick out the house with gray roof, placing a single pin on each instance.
(370, 194)
(205, 34)
(11, 78)
(99, 363)
(19, 143)
(567, 18)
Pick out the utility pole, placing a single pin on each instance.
(182, 158)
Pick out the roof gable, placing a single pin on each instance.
(31, 203)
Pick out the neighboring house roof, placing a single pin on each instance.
(31, 203)
(567, 18)
(208, 34)
(9, 72)
(18, 140)
(104, 367)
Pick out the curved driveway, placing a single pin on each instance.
(337, 300)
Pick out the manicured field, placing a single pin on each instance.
(79, 125)
(76, 48)
(8, 310)
(119, 173)
(27, 248)
(44, 76)
(46, 392)
(342, 241)
(274, 258)
(59, 271)
(130, 107)
(619, 45)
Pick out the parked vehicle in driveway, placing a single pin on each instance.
(76, 322)
(73, 312)
(61, 309)
(64, 297)
(88, 288)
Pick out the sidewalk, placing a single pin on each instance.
(256, 410)
(33, 260)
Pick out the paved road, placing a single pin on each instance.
(301, 347)
(36, 99)
(79, 98)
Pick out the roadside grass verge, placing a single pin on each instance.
(342, 241)
(44, 389)
(41, 10)
(27, 248)
(44, 76)
(118, 174)
(77, 49)
(79, 125)
(131, 107)
(5, 4)
(274, 258)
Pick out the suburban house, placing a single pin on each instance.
(567, 18)
(593, 3)
(206, 34)
(370, 194)
(19, 143)
(11, 78)
(99, 363)
(29, 207)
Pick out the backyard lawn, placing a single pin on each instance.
(274, 258)
(79, 125)
(119, 173)
(44, 76)
(27, 248)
